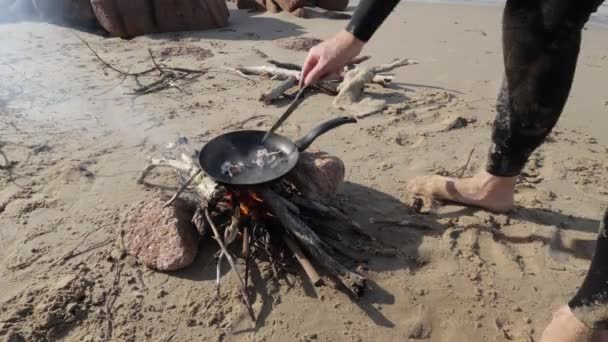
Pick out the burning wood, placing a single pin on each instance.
(278, 215)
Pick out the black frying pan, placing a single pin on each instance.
(243, 146)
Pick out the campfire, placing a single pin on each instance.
(250, 221)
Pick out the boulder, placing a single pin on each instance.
(162, 238)
(290, 5)
(318, 175)
(333, 5)
(132, 18)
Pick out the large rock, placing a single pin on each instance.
(162, 238)
(138, 22)
(130, 18)
(333, 5)
(290, 5)
(318, 175)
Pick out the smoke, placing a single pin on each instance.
(76, 13)
(16, 10)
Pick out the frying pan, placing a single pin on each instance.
(243, 146)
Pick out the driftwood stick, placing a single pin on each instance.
(155, 162)
(246, 248)
(182, 188)
(283, 65)
(264, 70)
(358, 60)
(401, 223)
(397, 63)
(279, 90)
(311, 242)
(303, 260)
(218, 238)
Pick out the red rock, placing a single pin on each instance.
(137, 17)
(318, 174)
(188, 15)
(246, 4)
(109, 17)
(290, 5)
(333, 5)
(272, 6)
(162, 238)
(300, 13)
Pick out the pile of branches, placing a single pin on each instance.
(341, 85)
(279, 215)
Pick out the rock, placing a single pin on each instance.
(189, 15)
(456, 122)
(272, 6)
(420, 331)
(290, 5)
(133, 18)
(333, 5)
(136, 20)
(300, 13)
(71, 308)
(318, 174)
(109, 17)
(162, 238)
(297, 43)
(251, 4)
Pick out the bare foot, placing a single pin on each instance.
(482, 190)
(565, 327)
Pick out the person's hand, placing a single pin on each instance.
(329, 56)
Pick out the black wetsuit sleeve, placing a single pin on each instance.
(368, 17)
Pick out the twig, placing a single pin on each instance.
(160, 71)
(7, 163)
(237, 73)
(241, 124)
(110, 301)
(306, 265)
(71, 254)
(182, 188)
(279, 90)
(358, 60)
(402, 223)
(218, 238)
(283, 65)
(108, 65)
(89, 249)
(463, 168)
(155, 162)
(393, 65)
(12, 124)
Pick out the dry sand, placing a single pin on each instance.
(78, 141)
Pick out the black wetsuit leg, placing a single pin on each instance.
(541, 41)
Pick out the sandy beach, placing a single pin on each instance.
(77, 141)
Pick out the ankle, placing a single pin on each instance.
(491, 184)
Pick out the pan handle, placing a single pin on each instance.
(305, 142)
